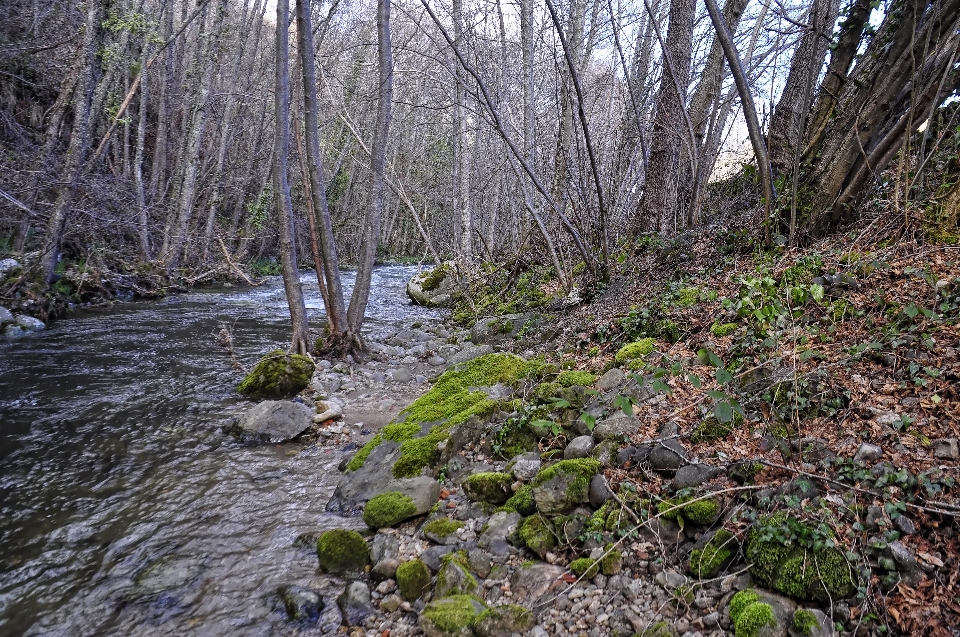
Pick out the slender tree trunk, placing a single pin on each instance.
(143, 230)
(329, 261)
(461, 200)
(371, 226)
(300, 342)
(79, 146)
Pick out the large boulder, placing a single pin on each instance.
(274, 421)
(563, 486)
(494, 329)
(30, 323)
(401, 500)
(278, 375)
(5, 316)
(370, 478)
(433, 288)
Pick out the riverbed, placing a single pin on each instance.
(124, 509)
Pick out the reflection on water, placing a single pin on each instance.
(124, 510)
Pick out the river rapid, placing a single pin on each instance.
(124, 509)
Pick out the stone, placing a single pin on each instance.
(342, 551)
(531, 580)
(810, 622)
(600, 491)
(903, 557)
(875, 518)
(619, 427)
(30, 323)
(7, 267)
(432, 556)
(355, 604)
(496, 328)
(5, 316)
(413, 579)
(868, 453)
(693, 475)
(503, 621)
(401, 375)
(579, 447)
(437, 361)
(525, 466)
(274, 421)
(371, 478)
(500, 526)
(301, 604)
(668, 456)
(454, 579)
(611, 379)
(390, 603)
(946, 448)
(384, 570)
(561, 487)
(469, 353)
(905, 525)
(278, 374)
(13, 331)
(488, 486)
(423, 490)
(432, 288)
(384, 546)
(451, 617)
(332, 412)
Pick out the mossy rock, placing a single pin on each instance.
(634, 350)
(342, 551)
(536, 535)
(498, 621)
(441, 528)
(717, 553)
(521, 501)
(754, 618)
(413, 579)
(805, 622)
(278, 375)
(574, 378)
(659, 629)
(612, 562)
(796, 571)
(564, 485)
(451, 616)
(710, 429)
(490, 487)
(585, 567)
(388, 509)
(454, 577)
(700, 512)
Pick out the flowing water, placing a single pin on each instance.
(124, 509)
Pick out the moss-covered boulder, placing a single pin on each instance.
(563, 486)
(612, 561)
(278, 375)
(388, 509)
(342, 551)
(451, 616)
(432, 288)
(794, 570)
(413, 579)
(454, 577)
(489, 487)
(502, 621)
(441, 530)
(715, 555)
(536, 535)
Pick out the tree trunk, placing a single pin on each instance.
(659, 203)
(300, 342)
(371, 225)
(79, 145)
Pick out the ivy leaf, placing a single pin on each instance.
(694, 380)
(723, 411)
(723, 376)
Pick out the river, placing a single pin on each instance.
(124, 509)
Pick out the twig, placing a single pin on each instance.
(230, 262)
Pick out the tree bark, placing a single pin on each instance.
(300, 341)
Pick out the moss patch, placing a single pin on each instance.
(708, 561)
(701, 512)
(489, 487)
(442, 527)
(536, 535)
(498, 620)
(585, 567)
(660, 629)
(793, 570)
(752, 618)
(363, 452)
(418, 453)
(388, 509)
(521, 501)
(723, 329)
(413, 579)
(805, 622)
(612, 561)
(710, 428)
(741, 600)
(452, 615)
(434, 278)
(277, 375)
(341, 551)
(569, 379)
(637, 349)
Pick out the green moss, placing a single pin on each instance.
(637, 349)
(706, 562)
(740, 601)
(442, 527)
(803, 271)
(701, 512)
(723, 329)
(569, 379)
(585, 567)
(805, 622)
(465, 585)
(583, 469)
(432, 280)
(400, 431)
(413, 579)
(660, 629)
(687, 296)
(710, 428)
(545, 391)
(278, 375)
(536, 535)
(453, 615)
(340, 551)
(668, 331)
(754, 617)
(612, 561)
(521, 501)
(518, 618)
(388, 509)
(598, 521)
(418, 453)
(489, 487)
(363, 452)
(794, 570)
